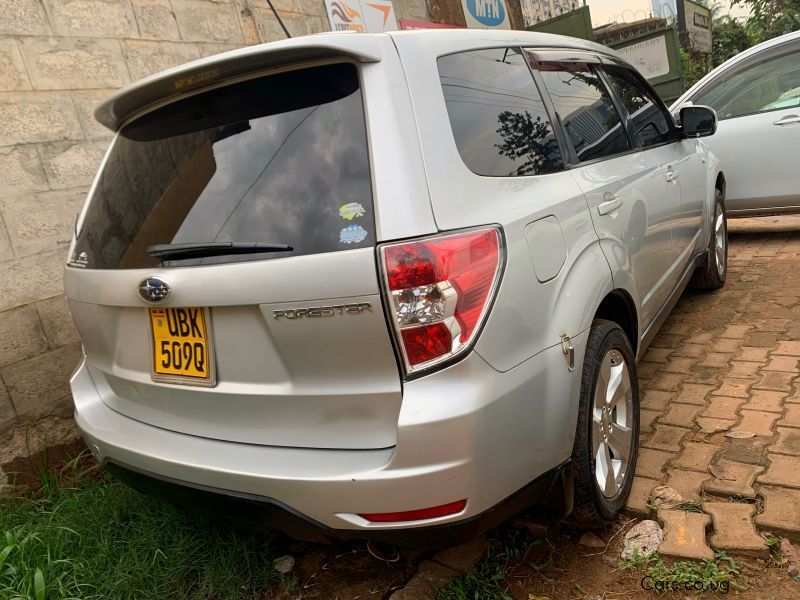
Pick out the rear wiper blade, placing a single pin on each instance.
(206, 249)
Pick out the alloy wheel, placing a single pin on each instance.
(720, 241)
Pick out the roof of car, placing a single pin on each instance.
(364, 47)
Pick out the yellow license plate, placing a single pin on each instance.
(181, 346)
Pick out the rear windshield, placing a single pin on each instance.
(277, 160)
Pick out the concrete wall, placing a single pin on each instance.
(58, 59)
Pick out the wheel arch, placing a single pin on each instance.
(619, 307)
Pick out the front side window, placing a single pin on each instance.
(499, 121)
(772, 84)
(279, 160)
(585, 110)
(652, 124)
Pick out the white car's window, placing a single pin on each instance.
(586, 110)
(772, 84)
(652, 124)
(499, 121)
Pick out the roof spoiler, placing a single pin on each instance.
(177, 81)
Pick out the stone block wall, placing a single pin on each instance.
(58, 59)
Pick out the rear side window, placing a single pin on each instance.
(585, 110)
(772, 84)
(277, 160)
(498, 118)
(652, 124)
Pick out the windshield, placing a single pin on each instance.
(276, 160)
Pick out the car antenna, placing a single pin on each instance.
(280, 21)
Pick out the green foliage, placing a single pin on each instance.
(729, 39)
(770, 18)
(99, 539)
(718, 574)
(695, 66)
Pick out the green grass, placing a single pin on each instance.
(86, 536)
(685, 576)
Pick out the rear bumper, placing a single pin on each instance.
(261, 513)
(467, 432)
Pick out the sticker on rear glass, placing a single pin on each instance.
(79, 260)
(352, 211)
(352, 234)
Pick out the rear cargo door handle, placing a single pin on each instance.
(610, 202)
(788, 120)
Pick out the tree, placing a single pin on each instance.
(528, 138)
(770, 18)
(730, 38)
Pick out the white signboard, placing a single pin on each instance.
(372, 16)
(486, 14)
(650, 56)
(698, 26)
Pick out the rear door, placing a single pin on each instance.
(286, 347)
(625, 189)
(758, 106)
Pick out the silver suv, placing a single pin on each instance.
(386, 286)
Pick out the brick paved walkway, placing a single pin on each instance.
(719, 386)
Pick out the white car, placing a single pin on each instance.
(757, 98)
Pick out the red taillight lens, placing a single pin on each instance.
(417, 515)
(439, 291)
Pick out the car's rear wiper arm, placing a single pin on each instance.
(205, 249)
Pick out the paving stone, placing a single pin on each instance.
(462, 558)
(425, 584)
(739, 368)
(701, 338)
(742, 486)
(791, 416)
(721, 407)
(733, 529)
(765, 400)
(73, 63)
(667, 340)
(715, 359)
(650, 462)
(726, 345)
(788, 441)
(23, 17)
(640, 492)
(7, 413)
(781, 511)
(666, 437)
(39, 223)
(704, 375)
(713, 425)
(646, 418)
(696, 456)
(753, 354)
(655, 399)
(200, 21)
(21, 335)
(72, 164)
(145, 57)
(27, 117)
(657, 355)
(787, 348)
(775, 380)
(688, 483)
(685, 535)
(680, 415)
(667, 382)
(647, 369)
(781, 471)
(757, 422)
(782, 363)
(761, 339)
(694, 393)
(679, 365)
(35, 278)
(734, 388)
(104, 18)
(21, 168)
(690, 350)
(736, 331)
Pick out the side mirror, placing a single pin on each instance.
(698, 121)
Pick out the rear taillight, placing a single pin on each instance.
(439, 290)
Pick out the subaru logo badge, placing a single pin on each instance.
(154, 290)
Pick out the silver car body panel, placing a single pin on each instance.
(313, 412)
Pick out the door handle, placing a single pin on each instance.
(610, 202)
(787, 120)
(671, 176)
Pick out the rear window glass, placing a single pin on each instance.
(498, 118)
(276, 160)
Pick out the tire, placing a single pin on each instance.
(598, 440)
(711, 275)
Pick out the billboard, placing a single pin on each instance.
(373, 16)
(694, 23)
(486, 14)
(415, 24)
(650, 57)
